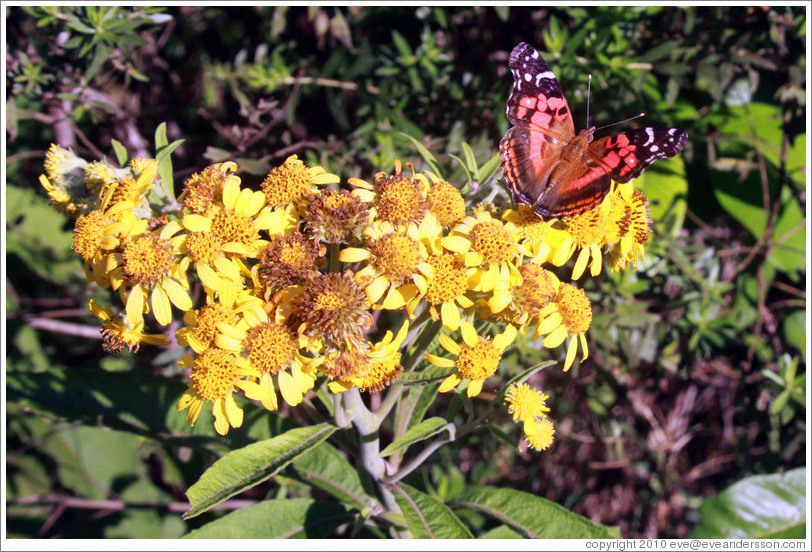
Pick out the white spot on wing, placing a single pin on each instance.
(527, 77)
(535, 54)
(654, 149)
(650, 132)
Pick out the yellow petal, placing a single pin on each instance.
(290, 391)
(450, 316)
(231, 191)
(196, 223)
(376, 289)
(474, 388)
(550, 323)
(135, 305)
(450, 345)
(457, 244)
(339, 386)
(584, 346)
(580, 264)
(597, 260)
(353, 255)
(233, 412)
(469, 335)
(500, 300)
(194, 411)
(221, 425)
(161, 307)
(563, 253)
(449, 383)
(505, 338)
(228, 343)
(556, 338)
(177, 294)
(442, 362)
(572, 349)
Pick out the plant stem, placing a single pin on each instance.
(369, 448)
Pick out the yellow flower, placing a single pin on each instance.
(445, 201)
(272, 352)
(226, 232)
(633, 228)
(477, 358)
(91, 233)
(539, 433)
(526, 403)
(202, 325)
(490, 246)
(396, 199)
(117, 332)
(288, 260)
(382, 365)
(148, 265)
(128, 194)
(65, 182)
(293, 181)
(215, 375)
(335, 216)
(536, 236)
(203, 189)
(396, 268)
(532, 300)
(572, 317)
(333, 307)
(447, 287)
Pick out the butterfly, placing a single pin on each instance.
(551, 169)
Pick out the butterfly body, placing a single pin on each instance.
(549, 167)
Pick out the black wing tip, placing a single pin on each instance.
(522, 48)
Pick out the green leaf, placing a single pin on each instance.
(426, 154)
(122, 155)
(532, 516)
(420, 432)
(470, 158)
(324, 467)
(501, 532)
(762, 506)
(430, 375)
(427, 517)
(795, 330)
(163, 150)
(242, 469)
(666, 187)
(291, 518)
(488, 168)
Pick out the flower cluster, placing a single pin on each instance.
(298, 278)
(529, 406)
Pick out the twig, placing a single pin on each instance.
(424, 454)
(67, 328)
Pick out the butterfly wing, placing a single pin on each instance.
(627, 154)
(530, 151)
(537, 99)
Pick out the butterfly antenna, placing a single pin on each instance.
(621, 122)
(588, 90)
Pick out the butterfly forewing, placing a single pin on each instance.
(537, 98)
(626, 155)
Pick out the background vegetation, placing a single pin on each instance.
(697, 377)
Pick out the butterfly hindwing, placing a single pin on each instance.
(626, 155)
